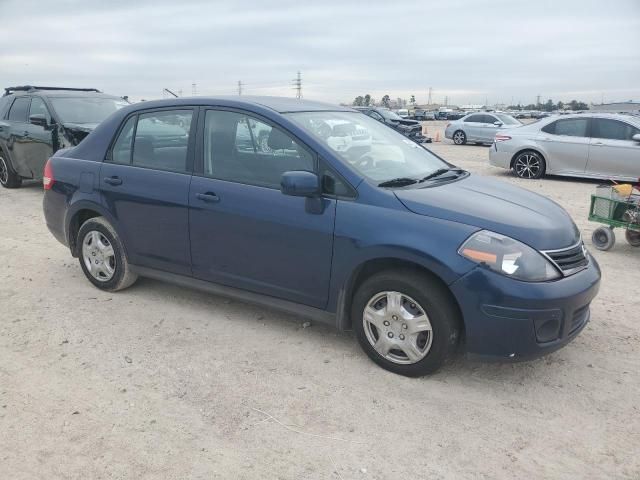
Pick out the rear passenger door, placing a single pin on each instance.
(145, 184)
(473, 127)
(566, 145)
(612, 152)
(244, 232)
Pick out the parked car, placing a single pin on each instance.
(421, 114)
(604, 146)
(37, 121)
(409, 128)
(403, 113)
(409, 251)
(478, 127)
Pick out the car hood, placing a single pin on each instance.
(496, 206)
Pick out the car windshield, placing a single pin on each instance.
(507, 119)
(85, 109)
(389, 114)
(370, 147)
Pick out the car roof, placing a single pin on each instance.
(614, 116)
(278, 104)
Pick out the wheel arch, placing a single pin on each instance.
(373, 266)
(80, 213)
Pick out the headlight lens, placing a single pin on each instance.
(508, 257)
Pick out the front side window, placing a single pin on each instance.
(570, 127)
(375, 150)
(19, 109)
(161, 140)
(475, 119)
(612, 129)
(85, 109)
(38, 107)
(243, 149)
(376, 115)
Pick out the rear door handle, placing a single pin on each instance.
(208, 197)
(598, 144)
(113, 181)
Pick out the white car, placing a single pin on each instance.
(602, 146)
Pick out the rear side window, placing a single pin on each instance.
(19, 109)
(612, 129)
(570, 127)
(121, 151)
(161, 140)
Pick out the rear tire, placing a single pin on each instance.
(459, 137)
(8, 177)
(529, 165)
(603, 238)
(418, 322)
(632, 237)
(102, 257)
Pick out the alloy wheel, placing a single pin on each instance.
(397, 327)
(458, 138)
(98, 256)
(527, 166)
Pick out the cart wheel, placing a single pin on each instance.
(633, 237)
(603, 238)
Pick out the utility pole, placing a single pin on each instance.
(538, 101)
(446, 101)
(297, 85)
(194, 89)
(429, 99)
(239, 87)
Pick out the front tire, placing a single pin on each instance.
(8, 177)
(406, 322)
(102, 257)
(459, 137)
(529, 165)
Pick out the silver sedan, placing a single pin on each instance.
(602, 146)
(479, 127)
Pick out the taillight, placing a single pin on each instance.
(47, 176)
(501, 138)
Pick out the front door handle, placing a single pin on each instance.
(208, 197)
(598, 144)
(113, 181)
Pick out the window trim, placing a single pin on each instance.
(198, 169)
(191, 145)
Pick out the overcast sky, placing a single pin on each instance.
(467, 50)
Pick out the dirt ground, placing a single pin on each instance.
(161, 382)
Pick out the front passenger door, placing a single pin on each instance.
(244, 232)
(613, 153)
(40, 145)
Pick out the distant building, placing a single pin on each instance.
(617, 107)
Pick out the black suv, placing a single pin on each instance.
(409, 128)
(37, 121)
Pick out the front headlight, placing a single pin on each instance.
(507, 256)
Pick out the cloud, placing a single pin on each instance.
(468, 51)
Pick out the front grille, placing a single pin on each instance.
(579, 317)
(569, 260)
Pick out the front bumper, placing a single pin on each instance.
(498, 157)
(510, 319)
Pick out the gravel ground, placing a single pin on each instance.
(161, 382)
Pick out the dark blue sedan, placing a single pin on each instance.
(326, 213)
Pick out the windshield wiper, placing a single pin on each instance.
(398, 182)
(441, 172)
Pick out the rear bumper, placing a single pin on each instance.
(498, 157)
(514, 320)
(54, 206)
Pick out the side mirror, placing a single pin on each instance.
(300, 183)
(38, 119)
(497, 124)
(636, 137)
